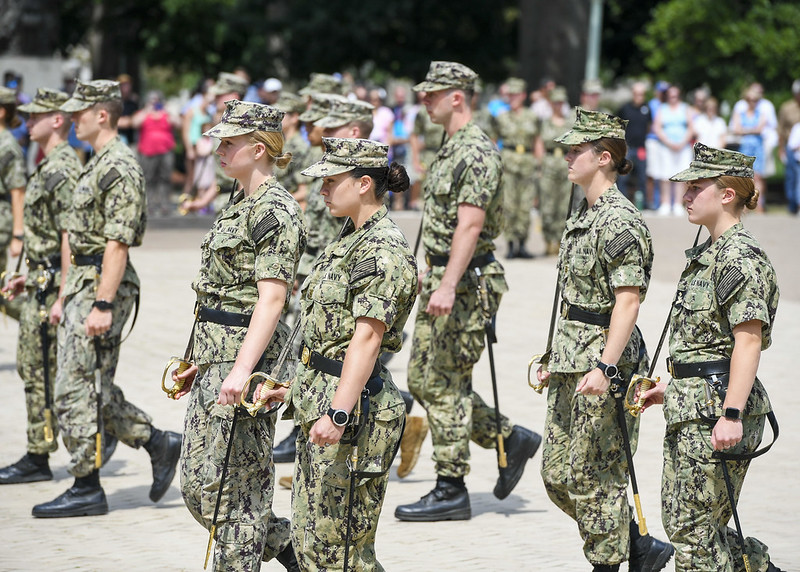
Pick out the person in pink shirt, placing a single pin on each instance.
(156, 142)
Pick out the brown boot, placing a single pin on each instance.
(285, 482)
(413, 436)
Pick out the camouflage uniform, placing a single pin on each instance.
(585, 472)
(12, 176)
(725, 283)
(257, 237)
(446, 348)
(517, 130)
(369, 272)
(290, 177)
(431, 134)
(47, 201)
(554, 186)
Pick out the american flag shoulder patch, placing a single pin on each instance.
(264, 227)
(53, 181)
(367, 267)
(622, 242)
(731, 278)
(109, 179)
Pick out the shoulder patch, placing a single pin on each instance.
(622, 242)
(54, 180)
(264, 227)
(109, 179)
(368, 267)
(6, 158)
(731, 278)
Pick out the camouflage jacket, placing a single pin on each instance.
(517, 131)
(290, 177)
(255, 238)
(369, 272)
(430, 132)
(725, 283)
(12, 176)
(603, 248)
(108, 204)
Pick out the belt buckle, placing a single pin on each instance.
(520, 149)
(306, 355)
(670, 369)
(428, 259)
(72, 258)
(564, 309)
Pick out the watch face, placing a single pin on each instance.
(339, 417)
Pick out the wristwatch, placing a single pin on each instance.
(610, 371)
(103, 305)
(340, 417)
(732, 413)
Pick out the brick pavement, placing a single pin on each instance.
(523, 532)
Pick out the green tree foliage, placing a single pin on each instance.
(725, 44)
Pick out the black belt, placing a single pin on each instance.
(699, 369)
(579, 315)
(87, 259)
(316, 360)
(222, 317)
(477, 261)
(312, 251)
(53, 261)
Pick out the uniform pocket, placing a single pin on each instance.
(231, 263)
(695, 299)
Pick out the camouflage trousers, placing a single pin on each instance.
(443, 353)
(321, 489)
(30, 366)
(584, 468)
(554, 193)
(695, 509)
(75, 396)
(247, 529)
(519, 191)
(13, 308)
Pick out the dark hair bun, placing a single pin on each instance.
(398, 181)
(625, 166)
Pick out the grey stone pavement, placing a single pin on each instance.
(522, 532)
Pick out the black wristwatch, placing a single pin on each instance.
(732, 413)
(610, 371)
(340, 417)
(103, 305)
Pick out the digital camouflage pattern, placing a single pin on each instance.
(518, 131)
(322, 83)
(108, 203)
(289, 102)
(343, 155)
(247, 529)
(321, 104)
(554, 185)
(584, 468)
(446, 348)
(725, 283)
(695, 509)
(447, 75)
(290, 177)
(346, 111)
(256, 238)
(88, 93)
(323, 227)
(432, 135)
(45, 101)
(369, 272)
(710, 163)
(7, 95)
(593, 125)
(12, 176)
(47, 199)
(516, 86)
(75, 398)
(229, 83)
(603, 248)
(243, 117)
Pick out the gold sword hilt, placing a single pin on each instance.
(268, 383)
(538, 386)
(502, 461)
(183, 365)
(210, 542)
(634, 406)
(182, 199)
(48, 426)
(98, 450)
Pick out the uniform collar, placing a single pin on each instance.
(706, 253)
(586, 215)
(350, 235)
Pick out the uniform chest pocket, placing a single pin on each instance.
(581, 264)
(231, 258)
(330, 293)
(697, 299)
(85, 206)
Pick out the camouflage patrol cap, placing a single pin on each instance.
(229, 83)
(515, 85)
(343, 155)
(592, 86)
(710, 163)
(447, 75)
(242, 117)
(7, 95)
(86, 94)
(46, 100)
(558, 94)
(322, 83)
(290, 102)
(593, 125)
(346, 111)
(321, 104)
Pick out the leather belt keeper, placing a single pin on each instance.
(53, 261)
(222, 317)
(579, 315)
(699, 369)
(87, 259)
(477, 261)
(316, 360)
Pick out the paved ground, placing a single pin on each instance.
(523, 532)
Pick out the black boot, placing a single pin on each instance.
(772, 568)
(447, 501)
(648, 554)
(109, 446)
(285, 451)
(520, 446)
(605, 568)
(512, 252)
(84, 498)
(288, 559)
(29, 469)
(408, 399)
(165, 450)
(522, 252)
